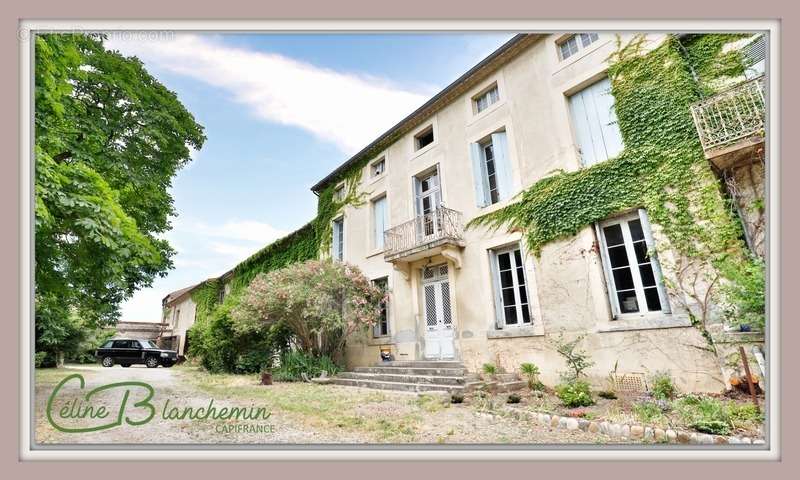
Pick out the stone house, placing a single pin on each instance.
(541, 103)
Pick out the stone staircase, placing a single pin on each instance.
(421, 376)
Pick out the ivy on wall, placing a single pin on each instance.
(662, 167)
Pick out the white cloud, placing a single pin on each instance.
(344, 108)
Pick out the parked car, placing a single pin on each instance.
(127, 352)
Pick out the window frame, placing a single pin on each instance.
(377, 328)
(422, 133)
(486, 94)
(375, 234)
(485, 175)
(633, 264)
(499, 304)
(339, 220)
(579, 39)
(374, 164)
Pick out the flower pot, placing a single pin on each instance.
(266, 378)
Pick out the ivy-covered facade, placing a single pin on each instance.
(558, 187)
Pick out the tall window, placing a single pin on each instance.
(379, 221)
(337, 246)
(511, 290)
(595, 123)
(634, 276)
(574, 43)
(487, 98)
(381, 329)
(491, 170)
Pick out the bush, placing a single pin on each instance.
(576, 393)
(704, 414)
(607, 394)
(294, 364)
(647, 412)
(531, 371)
(457, 397)
(577, 360)
(489, 369)
(513, 398)
(663, 386)
(39, 359)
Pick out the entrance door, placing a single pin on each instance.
(438, 317)
(428, 200)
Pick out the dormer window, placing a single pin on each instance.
(572, 44)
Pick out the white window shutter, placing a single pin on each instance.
(502, 165)
(648, 238)
(477, 174)
(595, 123)
(499, 321)
(606, 271)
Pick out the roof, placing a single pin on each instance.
(466, 81)
(172, 296)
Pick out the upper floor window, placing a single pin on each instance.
(572, 44)
(485, 99)
(377, 168)
(423, 138)
(511, 290)
(595, 123)
(755, 56)
(338, 194)
(381, 328)
(379, 221)
(491, 169)
(337, 245)
(635, 282)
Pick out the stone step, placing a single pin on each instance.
(406, 387)
(444, 372)
(401, 378)
(422, 364)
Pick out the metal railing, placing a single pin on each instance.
(731, 115)
(442, 223)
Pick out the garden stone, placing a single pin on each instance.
(562, 422)
(554, 421)
(683, 437)
(648, 434)
(616, 430)
(593, 427)
(706, 439)
(545, 419)
(583, 424)
(759, 441)
(605, 428)
(746, 440)
(694, 438)
(660, 435)
(720, 440)
(671, 435)
(637, 432)
(571, 424)
(626, 431)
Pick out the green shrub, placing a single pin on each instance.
(457, 397)
(531, 371)
(704, 414)
(513, 398)
(294, 364)
(647, 412)
(39, 359)
(607, 394)
(489, 369)
(663, 386)
(575, 394)
(577, 359)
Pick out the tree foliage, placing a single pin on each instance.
(108, 140)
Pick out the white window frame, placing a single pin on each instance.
(375, 330)
(491, 96)
(633, 264)
(500, 318)
(378, 240)
(423, 132)
(582, 41)
(334, 256)
(338, 193)
(373, 167)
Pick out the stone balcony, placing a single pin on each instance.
(731, 124)
(440, 232)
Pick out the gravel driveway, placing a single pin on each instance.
(300, 413)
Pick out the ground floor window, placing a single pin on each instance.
(381, 329)
(634, 275)
(511, 290)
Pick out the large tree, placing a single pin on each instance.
(109, 139)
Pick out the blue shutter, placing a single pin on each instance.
(595, 123)
(478, 175)
(502, 165)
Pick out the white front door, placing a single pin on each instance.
(438, 316)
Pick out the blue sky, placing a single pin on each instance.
(280, 112)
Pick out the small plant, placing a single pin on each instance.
(513, 398)
(575, 394)
(457, 397)
(577, 360)
(489, 369)
(607, 394)
(704, 414)
(531, 371)
(611, 383)
(663, 386)
(647, 412)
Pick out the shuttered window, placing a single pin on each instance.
(337, 246)
(378, 221)
(381, 328)
(491, 169)
(511, 288)
(595, 123)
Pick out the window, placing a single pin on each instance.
(595, 123)
(511, 291)
(381, 329)
(377, 168)
(338, 194)
(378, 221)
(491, 170)
(424, 138)
(570, 46)
(635, 283)
(755, 56)
(337, 246)
(484, 100)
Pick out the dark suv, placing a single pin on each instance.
(128, 352)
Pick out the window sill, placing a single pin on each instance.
(422, 151)
(646, 322)
(477, 116)
(514, 333)
(375, 253)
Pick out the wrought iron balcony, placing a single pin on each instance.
(417, 237)
(731, 119)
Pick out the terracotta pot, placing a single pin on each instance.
(266, 378)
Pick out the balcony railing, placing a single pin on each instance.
(438, 227)
(732, 115)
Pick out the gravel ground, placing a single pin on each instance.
(300, 413)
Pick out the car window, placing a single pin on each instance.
(120, 344)
(108, 344)
(136, 344)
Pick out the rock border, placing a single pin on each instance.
(629, 432)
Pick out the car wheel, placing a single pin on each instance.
(151, 362)
(168, 365)
(108, 362)
(125, 365)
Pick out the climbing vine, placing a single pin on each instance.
(662, 168)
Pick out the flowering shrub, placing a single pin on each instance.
(322, 302)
